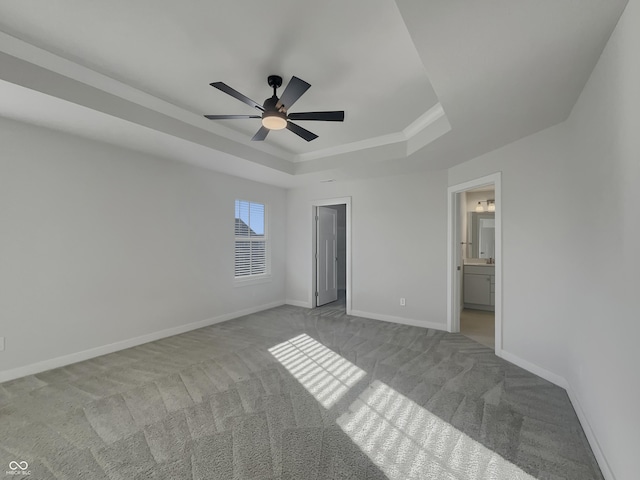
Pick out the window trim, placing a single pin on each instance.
(251, 280)
(245, 280)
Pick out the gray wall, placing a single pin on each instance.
(570, 258)
(101, 245)
(398, 229)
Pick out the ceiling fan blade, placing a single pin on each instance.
(337, 116)
(223, 87)
(293, 92)
(301, 132)
(260, 134)
(230, 117)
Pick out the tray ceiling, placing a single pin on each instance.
(417, 79)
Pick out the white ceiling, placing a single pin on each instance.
(425, 84)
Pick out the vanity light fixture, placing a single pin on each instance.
(491, 206)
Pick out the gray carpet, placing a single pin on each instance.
(292, 393)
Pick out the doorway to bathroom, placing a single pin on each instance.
(475, 261)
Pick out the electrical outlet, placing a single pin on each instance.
(402, 302)
(1, 344)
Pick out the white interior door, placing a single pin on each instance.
(327, 255)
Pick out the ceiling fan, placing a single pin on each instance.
(274, 110)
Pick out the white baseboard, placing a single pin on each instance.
(298, 303)
(535, 369)
(573, 398)
(403, 321)
(57, 362)
(591, 437)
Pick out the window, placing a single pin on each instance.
(251, 240)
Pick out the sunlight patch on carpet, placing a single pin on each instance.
(406, 441)
(320, 370)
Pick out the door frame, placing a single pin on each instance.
(314, 247)
(454, 253)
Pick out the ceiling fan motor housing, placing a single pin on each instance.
(273, 118)
(275, 81)
(269, 104)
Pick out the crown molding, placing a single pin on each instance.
(423, 122)
(75, 71)
(420, 132)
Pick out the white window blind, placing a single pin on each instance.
(251, 239)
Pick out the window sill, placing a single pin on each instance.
(254, 280)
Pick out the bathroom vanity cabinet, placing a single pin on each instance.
(479, 287)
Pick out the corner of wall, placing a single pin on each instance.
(607, 473)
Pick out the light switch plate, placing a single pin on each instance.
(1, 344)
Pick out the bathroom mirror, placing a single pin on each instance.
(481, 235)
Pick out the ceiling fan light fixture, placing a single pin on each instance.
(274, 110)
(274, 120)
